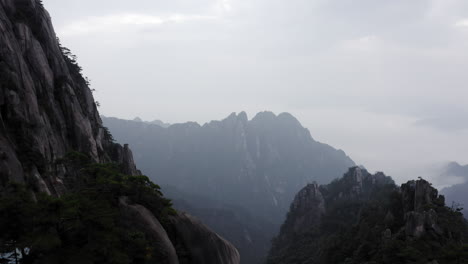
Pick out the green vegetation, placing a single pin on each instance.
(84, 225)
(362, 236)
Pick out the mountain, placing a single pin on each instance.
(457, 170)
(365, 218)
(68, 193)
(154, 122)
(258, 164)
(456, 195)
(252, 167)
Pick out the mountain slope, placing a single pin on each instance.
(364, 218)
(68, 194)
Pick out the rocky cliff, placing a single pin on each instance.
(47, 108)
(50, 125)
(364, 218)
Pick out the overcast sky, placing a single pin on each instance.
(386, 81)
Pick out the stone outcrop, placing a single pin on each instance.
(145, 220)
(204, 245)
(306, 210)
(417, 195)
(419, 198)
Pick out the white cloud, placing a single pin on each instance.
(365, 43)
(226, 4)
(114, 23)
(462, 23)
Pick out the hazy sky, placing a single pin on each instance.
(386, 81)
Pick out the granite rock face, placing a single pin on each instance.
(204, 245)
(419, 198)
(308, 208)
(47, 107)
(139, 215)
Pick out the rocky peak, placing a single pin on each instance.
(236, 119)
(308, 198)
(357, 183)
(269, 120)
(264, 116)
(125, 157)
(420, 199)
(306, 210)
(289, 119)
(355, 178)
(417, 195)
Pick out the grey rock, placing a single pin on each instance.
(424, 195)
(308, 208)
(419, 197)
(47, 109)
(204, 245)
(143, 219)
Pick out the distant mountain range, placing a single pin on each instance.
(457, 195)
(257, 165)
(455, 169)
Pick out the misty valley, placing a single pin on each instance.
(80, 185)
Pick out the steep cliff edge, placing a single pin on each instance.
(46, 106)
(68, 194)
(365, 218)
